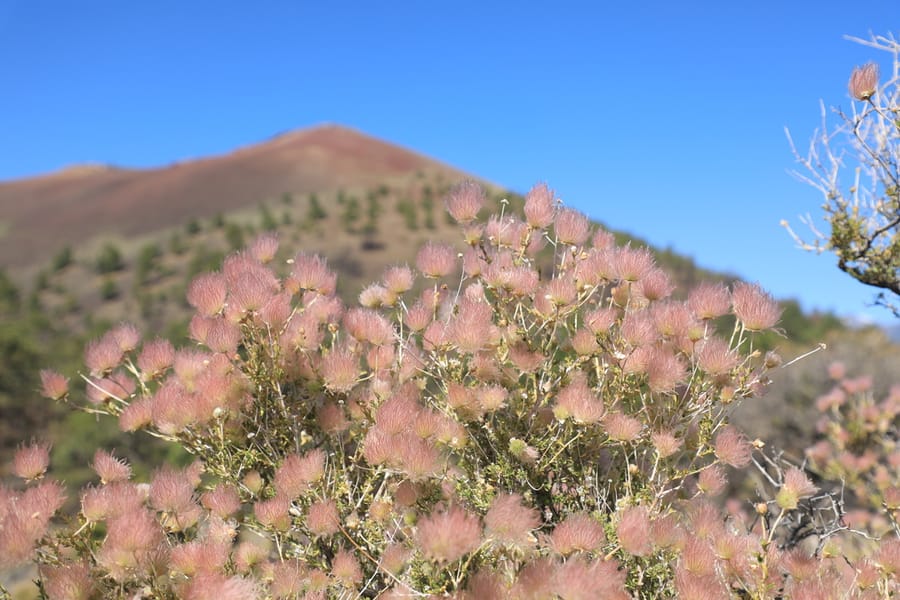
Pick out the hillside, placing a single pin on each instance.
(40, 215)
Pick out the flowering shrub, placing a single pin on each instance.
(859, 446)
(863, 213)
(522, 427)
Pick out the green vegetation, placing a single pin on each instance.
(109, 260)
(62, 259)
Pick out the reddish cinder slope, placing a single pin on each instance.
(40, 215)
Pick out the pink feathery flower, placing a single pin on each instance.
(223, 500)
(398, 279)
(732, 447)
(196, 557)
(53, 385)
(796, 486)
(864, 81)
(264, 247)
(508, 521)
(716, 357)
(621, 427)
(464, 201)
(472, 328)
(581, 579)
(656, 285)
(579, 531)
(31, 461)
(540, 210)
(274, 513)
(447, 535)
(340, 370)
(218, 586)
(295, 474)
(633, 264)
(572, 227)
(310, 272)
(68, 581)
(155, 357)
(709, 300)
(207, 293)
(322, 518)
(754, 308)
(345, 568)
(127, 336)
(109, 468)
(102, 356)
(712, 480)
(576, 400)
(600, 320)
(664, 370)
(633, 530)
(436, 260)
(666, 443)
(136, 415)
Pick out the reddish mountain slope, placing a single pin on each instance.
(40, 215)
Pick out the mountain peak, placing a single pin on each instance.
(85, 200)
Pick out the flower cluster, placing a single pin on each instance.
(530, 415)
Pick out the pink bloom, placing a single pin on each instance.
(223, 500)
(109, 468)
(447, 535)
(622, 428)
(274, 513)
(207, 293)
(579, 531)
(508, 521)
(633, 530)
(572, 227)
(345, 568)
(296, 473)
(156, 357)
(715, 357)
(31, 462)
(102, 356)
(264, 247)
(666, 443)
(732, 447)
(464, 201)
(322, 518)
(539, 206)
(709, 300)
(796, 486)
(864, 81)
(576, 400)
(340, 370)
(580, 579)
(311, 273)
(398, 279)
(436, 260)
(754, 308)
(67, 581)
(632, 264)
(127, 336)
(53, 385)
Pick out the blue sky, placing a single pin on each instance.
(657, 117)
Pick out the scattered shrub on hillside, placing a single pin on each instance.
(193, 227)
(62, 259)
(109, 259)
(501, 434)
(315, 212)
(109, 289)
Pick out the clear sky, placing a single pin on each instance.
(662, 118)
